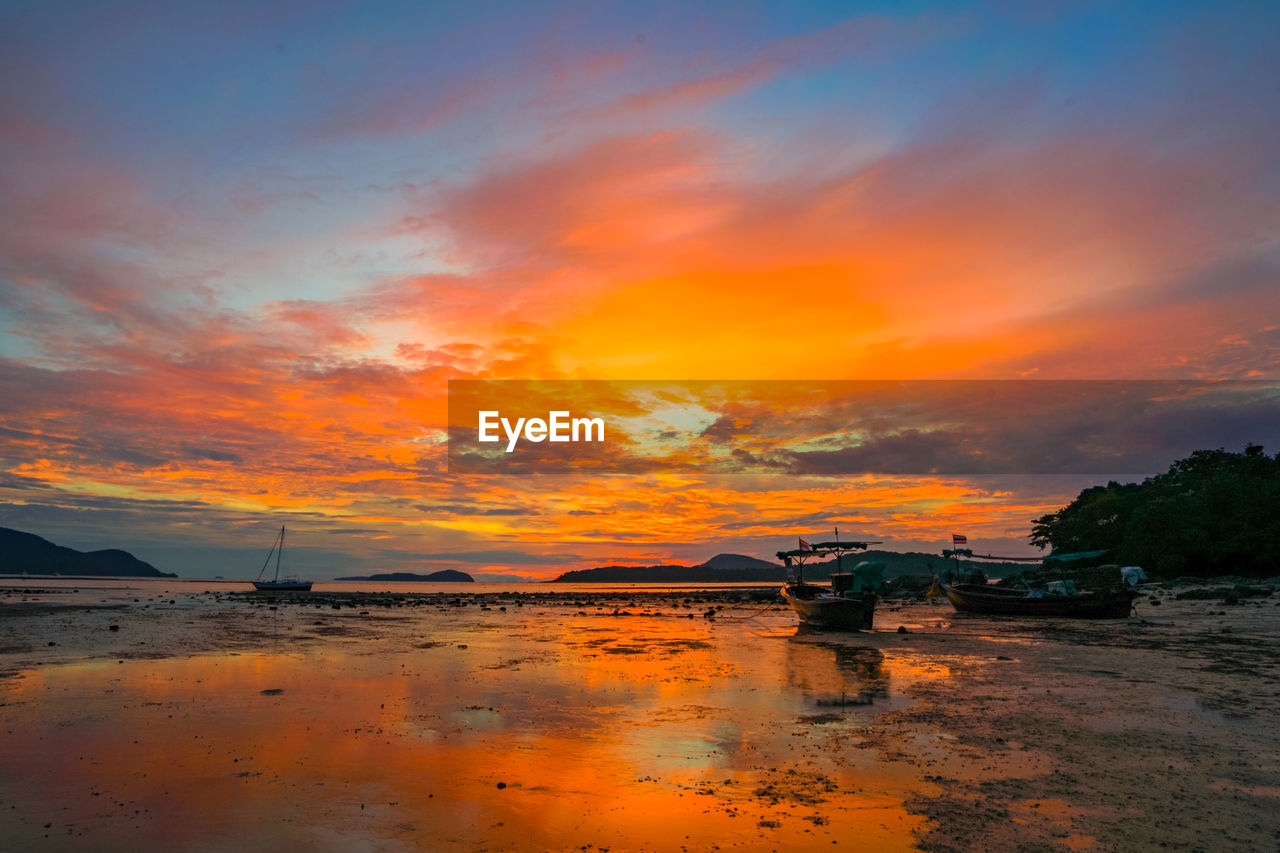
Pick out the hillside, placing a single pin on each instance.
(25, 552)
(737, 561)
(737, 568)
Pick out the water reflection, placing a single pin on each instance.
(834, 674)
(442, 730)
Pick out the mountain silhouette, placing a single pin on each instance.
(26, 552)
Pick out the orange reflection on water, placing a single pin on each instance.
(545, 731)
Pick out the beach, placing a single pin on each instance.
(174, 715)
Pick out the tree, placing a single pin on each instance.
(1212, 513)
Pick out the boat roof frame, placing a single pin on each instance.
(823, 549)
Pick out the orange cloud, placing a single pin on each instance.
(621, 233)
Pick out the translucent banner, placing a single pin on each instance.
(845, 427)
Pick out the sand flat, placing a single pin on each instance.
(567, 721)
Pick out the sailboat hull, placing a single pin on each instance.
(283, 586)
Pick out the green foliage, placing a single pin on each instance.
(1213, 513)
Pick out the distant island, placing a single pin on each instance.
(446, 576)
(722, 567)
(26, 553)
(739, 568)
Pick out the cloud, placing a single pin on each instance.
(515, 558)
(1029, 244)
(686, 91)
(241, 291)
(210, 454)
(838, 428)
(477, 510)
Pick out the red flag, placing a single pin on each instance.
(958, 539)
(805, 546)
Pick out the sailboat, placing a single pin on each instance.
(277, 584)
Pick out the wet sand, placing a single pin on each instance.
(565, 720)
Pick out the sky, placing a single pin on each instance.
(244, 247)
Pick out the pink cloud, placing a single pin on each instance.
(695, 90)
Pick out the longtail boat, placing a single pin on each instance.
(848, 603)
(1003, 601)
(1058, 598)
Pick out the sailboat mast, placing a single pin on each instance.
(279, 551)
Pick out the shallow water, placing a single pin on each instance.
(91, 590)
(542, 727)
(208, 719)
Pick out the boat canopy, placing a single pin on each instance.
(1048, 558)
(842, 546)
(820, 547)
(1074, 555)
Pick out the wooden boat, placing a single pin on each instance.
(1004, 601)
(820, 607)
(848, 603)
(278, 584)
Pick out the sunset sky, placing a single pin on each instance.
(245, 246)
